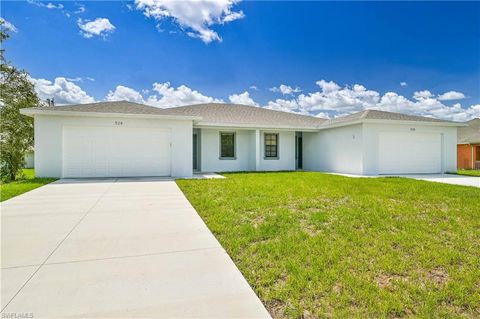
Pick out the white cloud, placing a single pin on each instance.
(99, 27)
(349, 99)
(48, 5)
(62, 90)
(182, 95)
(123, 93)
(253, 87)
(451, 95)
(242, 98)
(327, 86)
(81, 9)
(196, 17)
(403, 84)
(286, 89)
(422, 95)
(286, 106)
(8, 26)
(81, 79)
(330, 101)
(165, 96)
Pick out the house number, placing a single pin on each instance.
(118, 122)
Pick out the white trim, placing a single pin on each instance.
(220, 126)
(375, 121)
(31, 112)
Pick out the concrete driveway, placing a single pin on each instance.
(448, 179)
(116, 248)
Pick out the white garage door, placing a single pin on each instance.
(409, 153)
(115, 152)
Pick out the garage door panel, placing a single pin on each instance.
(409, 153)
(115, 152)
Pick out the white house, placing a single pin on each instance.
(115, 139)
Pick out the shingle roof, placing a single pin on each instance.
(236, 114)
(379, 115)
(106, 107)
(245, 115)
(469, 134)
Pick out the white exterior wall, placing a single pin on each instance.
(49, 137)
(371, 136)
(210, 150)
(245, 151)
(286, 152)
(354, 149)
(334, 150)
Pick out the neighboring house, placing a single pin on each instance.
(128, 139)
(468, 146)
(29, 158)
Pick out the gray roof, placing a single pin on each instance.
(379, 115)
(236, 114)
(106, 107)
(469, 134)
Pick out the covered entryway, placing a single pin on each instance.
(409, 153)
(115, 151)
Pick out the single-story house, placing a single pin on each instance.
(468, 145)
(115, 139)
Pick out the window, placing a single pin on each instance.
(478, 153)
(227, 145)
(271, 145)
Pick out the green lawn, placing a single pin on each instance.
(469, 172)
(315, 245)
(25, 183)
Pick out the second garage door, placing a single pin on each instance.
(115, 151)
(409, 153)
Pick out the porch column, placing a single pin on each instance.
(257, 150)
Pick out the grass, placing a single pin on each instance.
(26, 182)
(314, 245)
(469, 172)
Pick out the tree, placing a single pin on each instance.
(16, 130)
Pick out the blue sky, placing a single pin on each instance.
(332, 58)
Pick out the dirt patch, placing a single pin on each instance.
(257, 221)
(308, 228)
(307, 315)
(386, 281)
(281, 280)
(276, 308)
(337, 288)
(439, 276)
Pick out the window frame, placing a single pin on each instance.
(234, 157)
(265, 157)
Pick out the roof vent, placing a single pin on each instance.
(51, 102)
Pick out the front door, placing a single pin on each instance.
(299, 147)
(195, 141)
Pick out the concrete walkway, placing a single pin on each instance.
(116, 248)
(448, 179)
(438, 178)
